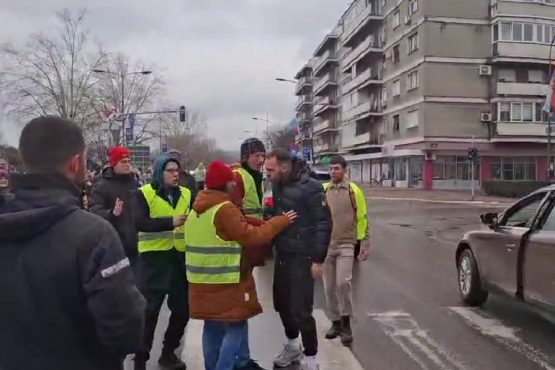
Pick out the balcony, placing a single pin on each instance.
(517, 88)
(369, 45)
(521, 129)
(324, 148)
(303, 85)
(323, 82)
(304, 100)
(362, 80)
(321, 104)
(367, 16)
(364, 110)
(327, 57)
(506, 49)
(319, 126)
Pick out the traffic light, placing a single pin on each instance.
(473, 154)
(182, 113)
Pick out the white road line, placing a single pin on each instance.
(332, 354)
(502, 334)
(423, 200)
(403, 329)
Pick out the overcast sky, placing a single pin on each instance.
(218, 56)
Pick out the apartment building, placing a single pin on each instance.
(423, 80)
(304, 105)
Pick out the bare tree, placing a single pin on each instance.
(282, 137)
(130, 87)
(52, 74)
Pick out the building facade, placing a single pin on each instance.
(422, 81)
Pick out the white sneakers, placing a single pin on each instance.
(292, 353)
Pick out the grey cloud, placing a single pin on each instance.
(218, 56)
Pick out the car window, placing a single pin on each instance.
(522, 215)
(548, 221)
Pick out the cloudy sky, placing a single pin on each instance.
(218, 56)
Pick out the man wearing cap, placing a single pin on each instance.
(112, 198)
(222, 289)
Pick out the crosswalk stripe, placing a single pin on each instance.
(503, 334)
(417, 344)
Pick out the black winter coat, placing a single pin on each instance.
(69, 299)
(310, 233)
(105, 191)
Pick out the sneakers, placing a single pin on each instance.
(170, 361)
(251, 365)
(346, 332)
(334, 331)
(309, 363)
(289, 355)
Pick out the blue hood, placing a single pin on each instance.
(158, 171)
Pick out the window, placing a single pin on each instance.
(536, 75)
(454, 168)
(396, 19)
(384, 94)
(507, 75)
(396, 54)
(514, 169)
(521, 112)
(506, 31)
(522, 215)
(413, 43)
(528, 32)
(517, 31)
(540, 33)
(504, 112)
(396, 123)
(361, 128)
(549, 223)
(396, 91)
(413, 6)
(412, 119)
(412, 80)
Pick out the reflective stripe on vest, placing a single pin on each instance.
(209, 259)
(251, 203)
(159, 208)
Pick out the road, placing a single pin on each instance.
(408, 312)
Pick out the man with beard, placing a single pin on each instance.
(69, 299)
(112, 198)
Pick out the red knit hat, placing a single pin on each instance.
(117, 154)
(218, 175)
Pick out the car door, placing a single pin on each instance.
(539, 260)
(500, 253)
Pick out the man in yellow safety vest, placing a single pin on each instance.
(162, 208)
(222, 289)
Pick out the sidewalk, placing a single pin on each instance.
(433, 196)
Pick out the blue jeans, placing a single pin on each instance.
(225, 344)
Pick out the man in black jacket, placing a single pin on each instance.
(300, 253)
(113, 198)
(69, 299)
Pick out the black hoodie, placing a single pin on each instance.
(68, 296)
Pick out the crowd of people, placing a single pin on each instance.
(85, 277)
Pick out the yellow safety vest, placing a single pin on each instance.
(358, 201)
(251, 203)
(159, 207)
(209, 259)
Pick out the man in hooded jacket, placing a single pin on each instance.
(162, 208)
(69, 299)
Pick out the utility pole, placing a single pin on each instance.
(472, 173)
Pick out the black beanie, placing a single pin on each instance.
(251, 146)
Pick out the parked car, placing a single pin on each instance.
(514, 254)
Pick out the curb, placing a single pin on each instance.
(474, 202)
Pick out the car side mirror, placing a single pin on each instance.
(490, 219)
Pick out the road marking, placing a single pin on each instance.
(503, 334)
(332, 354)
(403, 329)
(423, 200)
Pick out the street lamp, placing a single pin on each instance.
(285, 80)
(122, 86)
(267, 129)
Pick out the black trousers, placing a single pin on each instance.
(162, 274)
(294, 299)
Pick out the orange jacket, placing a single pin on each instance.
(231, 302)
